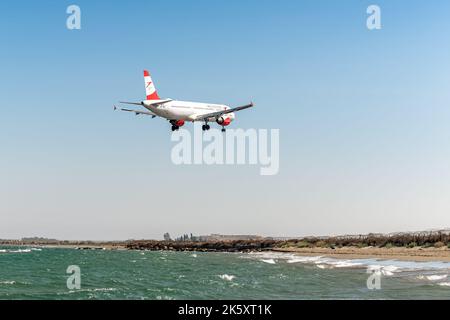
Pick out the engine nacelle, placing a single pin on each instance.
(223, 121)
(178, 123)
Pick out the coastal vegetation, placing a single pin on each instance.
(437, 239)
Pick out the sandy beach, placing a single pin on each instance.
(408, 254)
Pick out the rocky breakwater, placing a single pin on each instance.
(214, 246)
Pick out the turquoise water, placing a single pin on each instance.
(40, 273)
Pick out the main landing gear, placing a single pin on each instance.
(175, 128)
(206, 127)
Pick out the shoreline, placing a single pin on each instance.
(417, 254)
(88, 246)
(403, 254)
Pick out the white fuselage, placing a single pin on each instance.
(187, 111)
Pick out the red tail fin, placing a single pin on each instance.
(150, 89)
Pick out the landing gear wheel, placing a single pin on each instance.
(174, 128)
(223, 129)
(205, 127)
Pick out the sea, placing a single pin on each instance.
(61, 273)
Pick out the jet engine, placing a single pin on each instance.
(223, 121)
(177, 123)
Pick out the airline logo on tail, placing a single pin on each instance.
(150, 89)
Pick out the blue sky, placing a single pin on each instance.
(363, 117)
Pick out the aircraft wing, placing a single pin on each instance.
(138, 112)
(219, 113)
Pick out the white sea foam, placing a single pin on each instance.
(305, 260)
(104, 289)
(269, 255)
(194, 255)
(434, 269)
(269, 261)
(391, 268)
(227, 277)
(344, 263)
(436, 277)
(7, 282)
(386, 270)
(20, 251)
(444, 284)
(89, 290)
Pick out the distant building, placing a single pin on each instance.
(167, 237)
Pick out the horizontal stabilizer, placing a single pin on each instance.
(138, 112)
(134, 103)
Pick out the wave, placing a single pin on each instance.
(20, 251)
(305, 259)
(15, 250)
(87, 290)
(269, 261)
(434, 270)
(444, 284)
(13, 282)
(387, 270)
(343, 263)
(227, 277)
(437, 277)
(389, 265)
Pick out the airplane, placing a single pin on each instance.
(178, 112)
